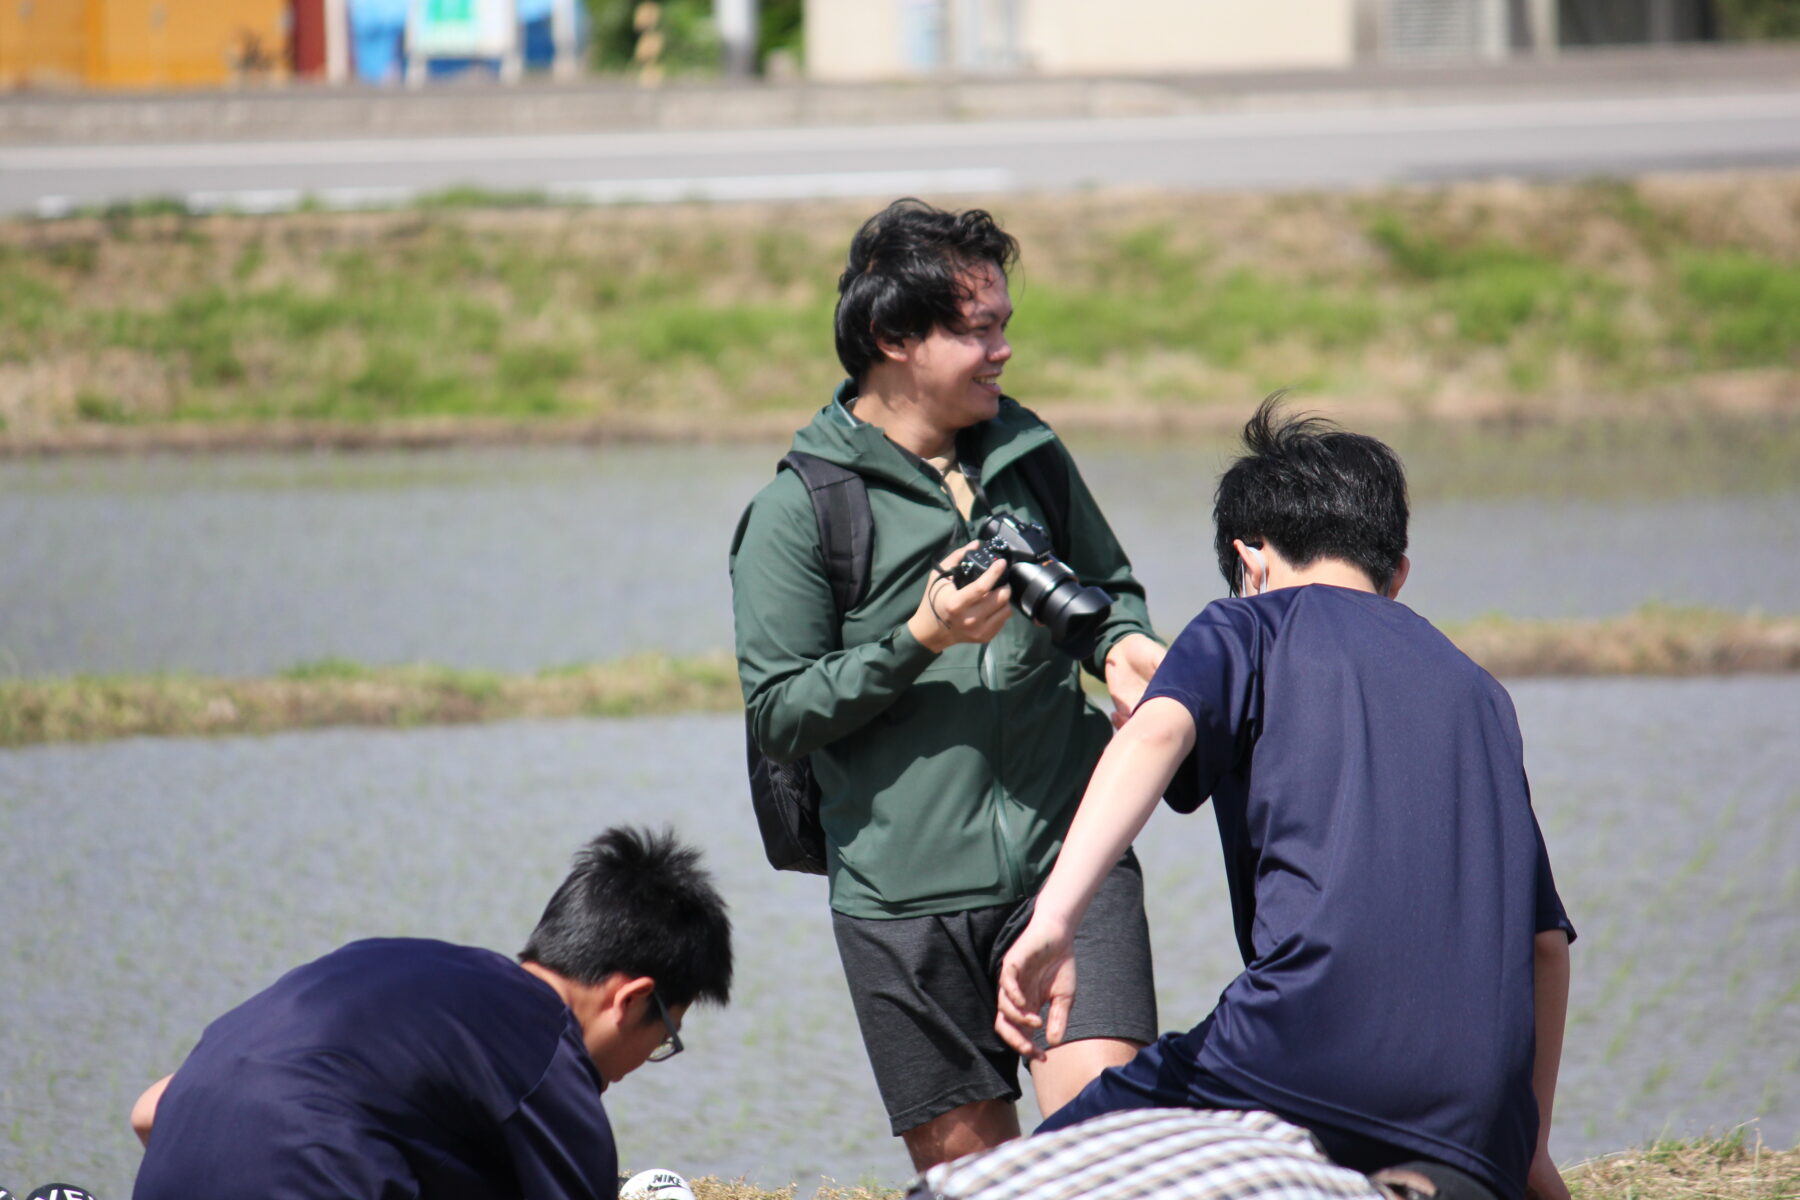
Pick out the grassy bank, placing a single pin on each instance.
(335, 692)
(1648, 642)
(1492, 301)
(1734, 1167)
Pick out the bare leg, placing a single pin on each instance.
(980, 1125)
(1068, 1068)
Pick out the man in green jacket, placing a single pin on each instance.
(951, 740)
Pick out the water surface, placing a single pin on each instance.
(520, 559)
(153, 883)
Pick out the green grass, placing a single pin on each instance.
(327, 668)
(124, 211)
(340, 692)
(1747, 308)
(502, 305)
(99, 408)
(1224, 321)
(474, 197)
(29, 301)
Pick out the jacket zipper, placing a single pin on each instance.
(998, 796)
(984, 672)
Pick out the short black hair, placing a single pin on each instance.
(638, 902)
(1312, 491)
(907, 275)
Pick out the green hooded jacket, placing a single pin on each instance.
(947, 780)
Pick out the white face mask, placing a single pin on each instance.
(1244, 574)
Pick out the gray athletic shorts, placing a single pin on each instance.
(925, 994)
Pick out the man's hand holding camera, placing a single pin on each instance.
(948, 614)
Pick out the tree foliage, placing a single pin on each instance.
(690, 34)
(1759, 20)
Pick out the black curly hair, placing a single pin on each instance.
(908, 274)
(1312, 491)
(638, 902)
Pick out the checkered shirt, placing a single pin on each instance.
(1153, 1154)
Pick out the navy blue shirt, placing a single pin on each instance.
(388, 1068)
(1386, 871)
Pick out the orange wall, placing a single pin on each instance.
(175, 43)
(40, 42)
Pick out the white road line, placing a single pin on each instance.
(783, 187)
(724, 188)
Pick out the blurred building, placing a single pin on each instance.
(211, 43)
(141, 43)
(886, 39)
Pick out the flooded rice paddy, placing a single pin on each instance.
(150, 884)
(516, 560)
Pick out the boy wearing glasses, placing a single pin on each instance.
(402, 1066)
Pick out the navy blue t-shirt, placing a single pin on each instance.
(1386, 871)
(391, 1067)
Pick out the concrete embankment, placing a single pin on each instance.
(598, 104)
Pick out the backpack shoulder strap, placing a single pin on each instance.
(1046, 473)
(840, 501)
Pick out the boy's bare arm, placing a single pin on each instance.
(1550, 982)
(143, 1113)
(1125, 788)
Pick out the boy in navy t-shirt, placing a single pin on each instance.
(402, 1066)
(1406, 955)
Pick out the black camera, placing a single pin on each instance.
(1043, 587)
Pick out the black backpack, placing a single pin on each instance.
(786, 795)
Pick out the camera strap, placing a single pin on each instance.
(972, 473)
(1046, 475)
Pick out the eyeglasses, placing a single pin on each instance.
(670, 1046)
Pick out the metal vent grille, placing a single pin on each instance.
(1443, 28)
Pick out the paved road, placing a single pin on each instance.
(1296, 147)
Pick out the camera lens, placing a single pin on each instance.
(1034, 582)
(1043, 587)
(1050, 594)
(1074, 614)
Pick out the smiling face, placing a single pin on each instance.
(954, 371)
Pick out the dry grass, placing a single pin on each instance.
(1736, 1167)
(722, 1189)
(1651, 641)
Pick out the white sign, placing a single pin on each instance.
(461, 28)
